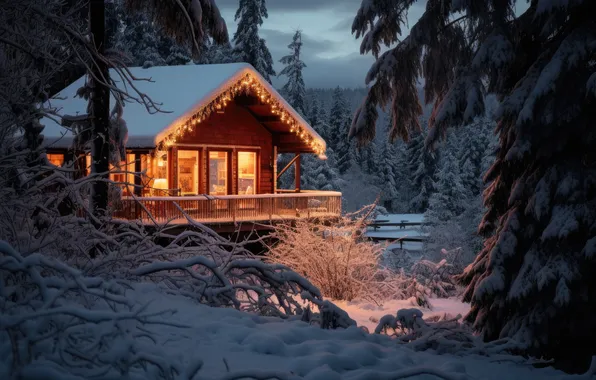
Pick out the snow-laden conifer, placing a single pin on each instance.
(533, 278)
(294, 89)
(249, 47)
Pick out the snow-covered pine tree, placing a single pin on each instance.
(339, 122)
(143, 42)
(387, 173)
(314, 114)
(365, 157)
(320, 174)
(533, 280)
(326, 174)
(249, 47)
(421, 167)
(217, 53)
(346, 155)
(472, 148)
(140, 41)
(449, 197)
(294, 89)
(339, 119)
(319, 119)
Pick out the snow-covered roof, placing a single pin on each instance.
(181, 91)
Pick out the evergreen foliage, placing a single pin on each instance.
(249, 47)
(294, 90)
(421, 164)
(532, 280)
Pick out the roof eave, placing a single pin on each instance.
(206, 100)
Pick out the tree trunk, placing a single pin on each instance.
(100, 112)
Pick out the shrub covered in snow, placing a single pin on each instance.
(444, 336)
(335, 258)
(340, 262)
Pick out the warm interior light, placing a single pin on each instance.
(218, 173)
(160, 183)
(55, 159)
(188, 172)
(247, 172)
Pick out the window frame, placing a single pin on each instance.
(199, 167)
(257, 153)
(229, 174)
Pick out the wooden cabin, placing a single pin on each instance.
(212, 151)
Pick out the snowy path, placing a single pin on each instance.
(226, 337)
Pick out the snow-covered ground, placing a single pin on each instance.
(368, 313)
(230, 342)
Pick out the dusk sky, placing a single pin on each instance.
(330, 51)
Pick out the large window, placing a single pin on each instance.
(123, 174)
(218, 173)
(188, 172)
(247, 172)
(56, 159)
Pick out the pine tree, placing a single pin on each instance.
(472, 148)
(449, 197)
(318, 119)
(421, 165)
(365, 157)
(218, 53)
(339, 118)
(314, 115)
(339, 122)
(320, 174)
(144, 43)
(248, 46)
(294, 89)
(533, 279)
(388, 173)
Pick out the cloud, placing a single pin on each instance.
(347, 71)
(330, 51)
(344, 25)
(346, 68)
(279, 40)
(296, 5)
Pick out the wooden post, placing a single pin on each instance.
(297, 173)
(274, 169)
(138, 190)
(100, 111)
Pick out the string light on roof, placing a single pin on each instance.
(246, 85)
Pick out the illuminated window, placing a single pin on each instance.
(218, 173)
(161, 171)
(247, 172)
(160, 174)
(188, 172)
(123, 174)
(56, 159)
(88, 164)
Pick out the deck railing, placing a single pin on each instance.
(231, 208)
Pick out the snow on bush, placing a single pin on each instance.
(436, 277)
(55, 322)
(446, 335)
(341, 263)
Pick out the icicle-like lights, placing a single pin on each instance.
(246, 85)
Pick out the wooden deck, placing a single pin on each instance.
(231, 208)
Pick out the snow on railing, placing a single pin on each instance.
(231, 208)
